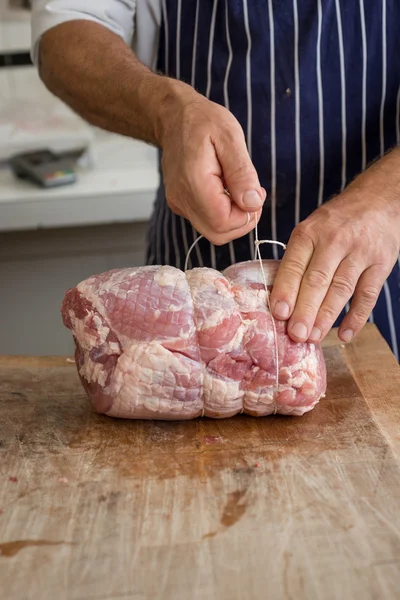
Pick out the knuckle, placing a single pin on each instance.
(343, 286)
(335, 237)
(231, 130)
(360, 310)
(242, 172)
(305, 309)
(327, 314)
(317, 279)
(357, 318)
(391, 251)
(368, 295)
(302, 235)
(386, 260)
(294, 272)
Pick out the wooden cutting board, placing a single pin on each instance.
(94, 508)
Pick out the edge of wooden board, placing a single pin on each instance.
(377, 374)
(41, 362)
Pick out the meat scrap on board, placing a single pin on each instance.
(157, 343)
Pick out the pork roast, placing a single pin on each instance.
(157, 343)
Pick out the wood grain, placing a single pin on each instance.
(94, 508)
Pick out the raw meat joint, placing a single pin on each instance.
(156, 343)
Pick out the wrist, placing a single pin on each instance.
(380, 183)
(168, 99)
(391, 182)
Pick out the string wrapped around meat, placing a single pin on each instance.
(157, 343)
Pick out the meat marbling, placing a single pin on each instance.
(156, 343)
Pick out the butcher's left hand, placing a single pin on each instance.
(346, 248)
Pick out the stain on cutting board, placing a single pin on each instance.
(234, 509)
(9, 549)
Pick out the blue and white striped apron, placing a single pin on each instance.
(315, 85)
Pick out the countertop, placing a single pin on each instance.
(94, 508)
(120, 187)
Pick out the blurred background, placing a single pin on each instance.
(79, 208)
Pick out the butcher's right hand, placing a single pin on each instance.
(205, 155)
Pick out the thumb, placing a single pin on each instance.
(239, 174)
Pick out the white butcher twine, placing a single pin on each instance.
(257, 254)
(257, 244)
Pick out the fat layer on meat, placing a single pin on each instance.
(156, 343)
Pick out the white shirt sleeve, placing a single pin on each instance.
(116, 15)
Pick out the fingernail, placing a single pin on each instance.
(347, 335)
(252, 199)
(299, 330)
(281, 310)
(315, 335)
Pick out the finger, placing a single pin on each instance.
(216, 211)
(340, 291)
(365, 297)
(238, 171)
(215, 206)
(218, 236)
(313, 289)
(290, 273)
(204, 201)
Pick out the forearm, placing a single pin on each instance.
(380, 184)
(204, 147)
(96, 73)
